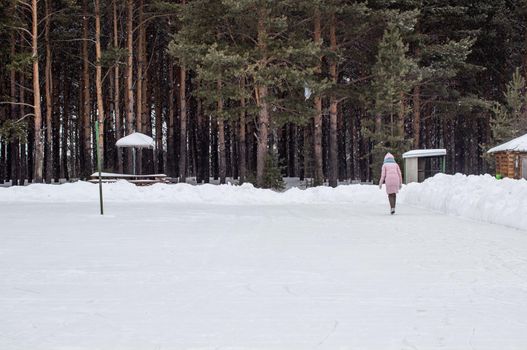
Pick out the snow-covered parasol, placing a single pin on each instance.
(136, 140)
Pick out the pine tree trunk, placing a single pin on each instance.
(401, 116)
(417, 116)
(39, 147)
(182, 122)
(355, 119)
(49, 97)
(13, 109)
(86, 99)
(242, 144)
(159, 119)
(30, 153)
(14, 144)
(14, 152)
(183, 125)
(221, 137)
(251, 146)
(205, 145)
(214, 149)
(116, 91)
(129, 98)
(23, 172)
(193, 147)
(296, 153)
(147, 125)
(3, 158)
(66, 135)
(98, 82)
(263, 132)
(147, 104)
(171, 149)
(234, 148)
(378, 123)
(200, 127)
(350, 145)
(333, 109)
(139, 84)
(318, 172)
(306, 151)
(262, 104)
(8, 161)
(341, 137)
(282, 145)
(56, 127)
(325, 146)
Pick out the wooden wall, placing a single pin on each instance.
(508, 164)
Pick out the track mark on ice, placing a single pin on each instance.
(288, 290)
(407, 343)
(27, 290)
(249, 288)
(330, 333)
(471, 338)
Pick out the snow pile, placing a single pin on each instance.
(476, 197)
(245, 194)
(481, 198)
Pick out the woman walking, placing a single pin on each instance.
(391, 175)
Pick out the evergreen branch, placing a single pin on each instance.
(21, 29)
(138, 26)
(50, 15)
(16, 104)
(25, 116)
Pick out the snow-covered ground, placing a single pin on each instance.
(208, 267)
(482, 198)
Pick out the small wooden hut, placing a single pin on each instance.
(511, 158)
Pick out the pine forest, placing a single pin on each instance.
(257, 90)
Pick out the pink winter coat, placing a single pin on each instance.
(391, 175)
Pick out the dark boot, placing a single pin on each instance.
(393, 199)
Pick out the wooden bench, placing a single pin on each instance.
(139, 180)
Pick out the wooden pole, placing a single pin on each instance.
(99, 167)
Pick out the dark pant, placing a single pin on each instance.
(393, 199)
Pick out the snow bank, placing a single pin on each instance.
(476, 197)
(481, 198)
(246, 194)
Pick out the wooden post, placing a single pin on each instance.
(99, 166)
